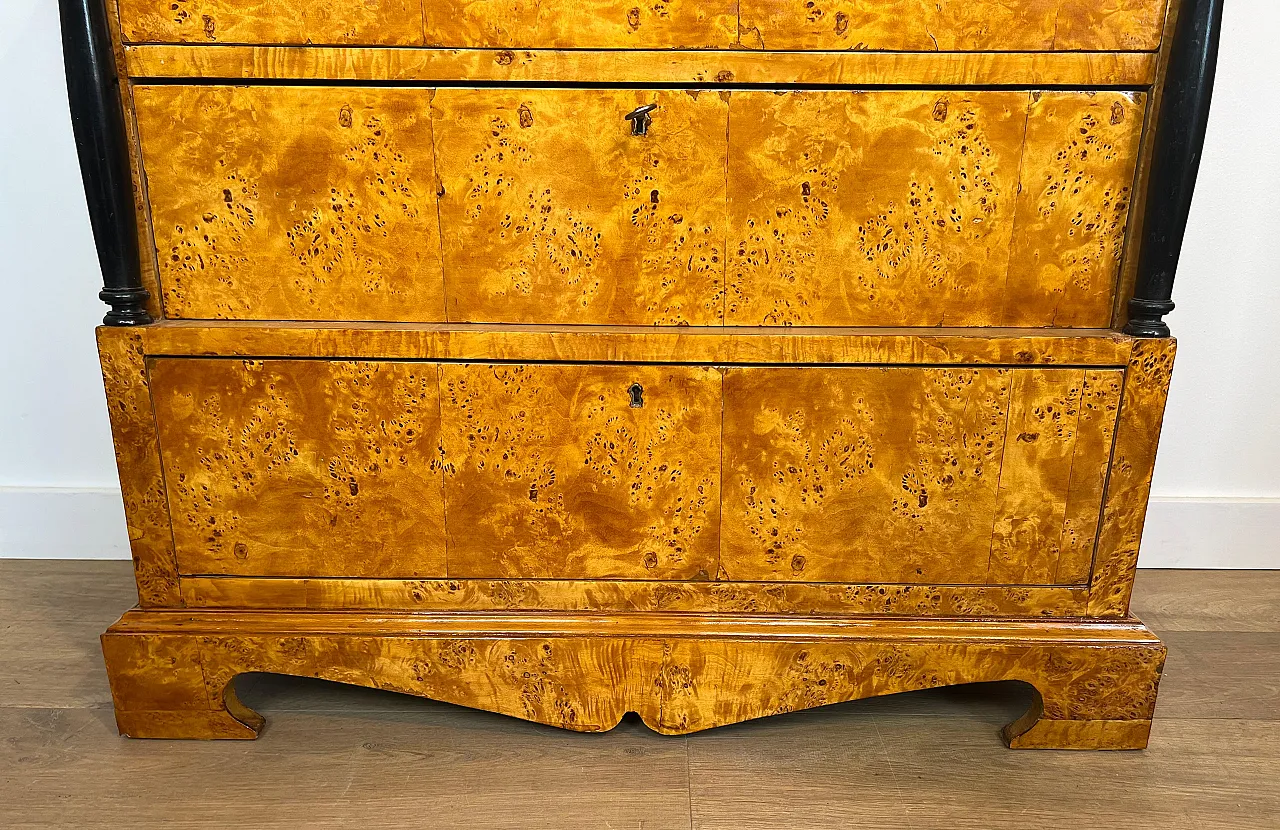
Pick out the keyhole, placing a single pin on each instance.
(640, 118)
(636, 391)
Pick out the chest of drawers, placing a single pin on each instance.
(707, 360)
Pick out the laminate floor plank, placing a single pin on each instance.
(1169, 600)
(432, 768)
(53, 665)
(829, 770)
(273, 692)
(1215, 674)
(65, 589)
(344, 756)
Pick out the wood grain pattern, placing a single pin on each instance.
(943, 208)
(583, 673)
(1109, 24)
(898, 207)
(133, 428)
(290, 468)
(1076, 176)
(1124, 511)
(633, 595)
(614, 24)
(913, 25)
(879, 208)
(909, 475)
(529, 518)
(550, 472)
(1035, 475)
(964, 208)
(1095, 427)
(1056, 456)
(586, 344)
(293, 202)
(1028, 69)
(553, 212)
(390, 22)
(951, 25)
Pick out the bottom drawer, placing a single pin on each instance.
(402, 469)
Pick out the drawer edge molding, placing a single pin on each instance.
(590, 66)
(581, 595)
(639, 344)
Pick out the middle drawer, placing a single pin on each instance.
(892, 207)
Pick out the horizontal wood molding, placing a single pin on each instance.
(638, 624)
(595, 66)
(641, 344)
(633, 595)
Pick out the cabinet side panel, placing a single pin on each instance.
(1146, 389)
(133, 428)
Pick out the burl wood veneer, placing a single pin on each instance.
(704, 360)
(743, 207)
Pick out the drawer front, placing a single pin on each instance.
(564, 471)
(928, 208)
(417, 470)
(952, 25)
(553, 212)
(895, 25)
(360, 22)
(293, 203)
(830, 208)
(915, 475)
(301, 467)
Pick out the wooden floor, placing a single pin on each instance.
(335, 756)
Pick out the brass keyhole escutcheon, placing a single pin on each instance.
(641, 118)
(636, 393)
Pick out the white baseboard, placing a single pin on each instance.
(1201, 532)
(56, 523)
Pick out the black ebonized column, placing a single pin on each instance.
(1175, 160)
(96, 119)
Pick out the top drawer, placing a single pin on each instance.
(901, 25)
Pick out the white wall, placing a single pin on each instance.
(58, 495)
(1217, 490)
